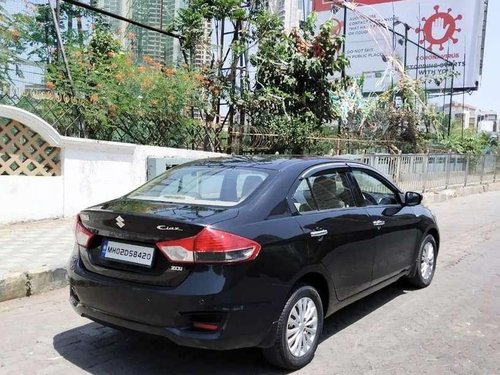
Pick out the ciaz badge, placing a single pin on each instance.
(166, 227)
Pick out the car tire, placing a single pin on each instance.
(425, 264)
(295, 344)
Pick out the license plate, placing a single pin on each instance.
(127, 253)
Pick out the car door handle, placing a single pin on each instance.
(319, 233)
(378, 223)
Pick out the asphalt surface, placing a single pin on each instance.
(452, 327)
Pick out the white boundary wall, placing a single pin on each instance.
(92, 172)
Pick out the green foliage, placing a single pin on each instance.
(11, 46)
(294, 80)
(293, 96)
(39, 33)
(470, 143)
(190, 21)
(147, 104)
(399, 116)
(110, 97)
(291, 93)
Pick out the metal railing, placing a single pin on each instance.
(424, 172)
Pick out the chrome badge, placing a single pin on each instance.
(120, 222)
(166, 227)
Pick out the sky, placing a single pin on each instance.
(488, 95)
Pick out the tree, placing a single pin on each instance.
(11, 47)
(290, 94)
(110, 95)
(226, 80)
(470, 143)
(294, 80)
(38, 31)
(119, 100)
(395, 116)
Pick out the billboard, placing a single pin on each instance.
(436, 29)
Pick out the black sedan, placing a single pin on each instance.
(240, 252)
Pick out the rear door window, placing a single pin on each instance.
(323, 191)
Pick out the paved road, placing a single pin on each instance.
(451, 327)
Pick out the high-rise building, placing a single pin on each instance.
(291, 12)
(119, 7)
(203, 54)
(143, 42)
(159, 14)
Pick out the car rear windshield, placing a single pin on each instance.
(203, 185)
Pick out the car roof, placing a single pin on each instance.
(274, 162)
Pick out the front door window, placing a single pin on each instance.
(374, 191)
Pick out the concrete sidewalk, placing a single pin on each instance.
(33, 255)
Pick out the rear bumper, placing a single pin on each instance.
(245, 321)
(180, 336)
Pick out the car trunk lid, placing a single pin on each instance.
(134, 224)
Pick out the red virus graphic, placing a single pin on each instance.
(338, 26)
(439, 28)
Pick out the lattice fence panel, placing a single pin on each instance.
(25, 153)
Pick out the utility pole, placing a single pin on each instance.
(344, 35)
(57, 22)
(405, 60)
(451, 100)
(463, 95)
(60, 44)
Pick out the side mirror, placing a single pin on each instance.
(412, 198)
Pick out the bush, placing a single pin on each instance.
(147, 104)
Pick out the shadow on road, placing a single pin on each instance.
(352, 313)
(101, 350)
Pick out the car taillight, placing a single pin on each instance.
(82, 235)
(210, 246)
